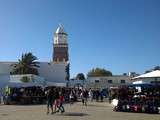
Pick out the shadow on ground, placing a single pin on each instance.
(91, 105)
(3, 114)
(74, 114)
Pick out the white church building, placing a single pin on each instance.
(50, 73)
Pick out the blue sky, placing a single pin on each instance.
(119, 35)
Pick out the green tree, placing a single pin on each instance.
(155, 68)
(99, 72)
(26, 65)
(147, 71)
(80, 76)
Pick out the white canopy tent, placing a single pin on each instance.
(56, 84)
(148, 78)
(12, 84)
(15, 81)
(153, 74)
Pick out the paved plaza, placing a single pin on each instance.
(94, 111)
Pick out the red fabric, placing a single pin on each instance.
(61, 98)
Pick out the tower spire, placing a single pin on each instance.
(60, 29)
(60, 46)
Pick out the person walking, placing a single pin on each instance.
(85, 97)
(101, 95)
(50, 100)
(71, 97)
(82, 97)
(56, 102)
(90, 94)
(97, 95)
(60, 105)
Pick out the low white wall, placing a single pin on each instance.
(49, 71)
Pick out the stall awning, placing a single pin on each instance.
(56, 84)
(153, 74)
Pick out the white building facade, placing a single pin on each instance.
(107, 81)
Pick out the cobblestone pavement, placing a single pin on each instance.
(94, 111)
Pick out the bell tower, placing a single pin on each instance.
(60, 46)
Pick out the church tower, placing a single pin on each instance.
(60, 54)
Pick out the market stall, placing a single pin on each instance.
(139, 98)
(24, 94)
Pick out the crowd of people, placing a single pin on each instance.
(23, 95)
(56, 97)
(146, 100)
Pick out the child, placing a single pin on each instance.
(60, 105)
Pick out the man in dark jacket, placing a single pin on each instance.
(85, 95)
(50, 100)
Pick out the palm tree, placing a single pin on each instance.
(26, 65)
